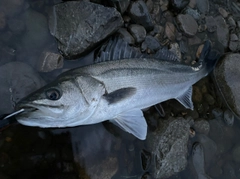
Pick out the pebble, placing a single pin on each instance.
(236, 153)
(138, 32)
(211, 24)
(170, 31)
(187, 24)
(178, 5)
(203, 6)
(197, 95)
(193, 12)
(222, 31)
(223, 12)
(209, 98)
(121, 6)
(228, 117)
(139, 13)
(152, 43)
(126, 36)
(217, 113)
(50, 61)
(201, 126)
(192, 3)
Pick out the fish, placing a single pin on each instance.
(115, 88)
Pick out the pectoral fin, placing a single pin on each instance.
(186, 99)
(133, 122)
(119, 95)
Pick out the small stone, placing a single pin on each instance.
(170, 31)
(126, 36)
(121, 6)
(228, 117)
(152, 43)
(138, 32)
(8, 139)
(178, 5)
(210, 100)
(199, 51)
(201, 126)
(211, 24)
(202, 28)
(50, 61)
(217, 113)
(187, 24)
(236, 154)
(139, 13)
(174, 47)
(231, 22)
(193, 12)
(222, 31)
(203, 6)
(197, 95)
(194, 41)
(192, 3)
(223, 12)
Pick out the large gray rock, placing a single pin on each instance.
(227, 76)
(169, 147)
(79, 25)
(17, 80)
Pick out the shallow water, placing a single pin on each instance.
(95, 151)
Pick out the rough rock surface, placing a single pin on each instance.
(227, 76)
(169, 147)
(20, 81)
(79, 25)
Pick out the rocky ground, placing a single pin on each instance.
(39, 39)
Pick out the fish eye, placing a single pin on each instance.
(53, 94)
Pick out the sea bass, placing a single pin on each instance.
(115, 89)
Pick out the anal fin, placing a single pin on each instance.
(186, 99)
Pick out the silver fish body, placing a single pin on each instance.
(111, 90)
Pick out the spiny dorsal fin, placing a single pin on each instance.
(117, 49)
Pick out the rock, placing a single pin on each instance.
(80, 29)
(126, 36)
(187, 24)
(193, 12)
(201, 126)
(139, 14)
(16, 25)
(226, 75)
(211, 24)
(192, 3)
(138, 32)
(203, 6)
(222, 31)
(198, 160)
(169, 147)
(217, 113)
(228, 117)
(152, 43)
(234, 44)
(197, 95)
(50, 61)
(178, 5)
(2, 20)
(121, 6)
(209, 99)
(17, 80)
(11, 7)
(170, 31)
(223, 12)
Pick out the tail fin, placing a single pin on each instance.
(208, 58)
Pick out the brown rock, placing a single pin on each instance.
(170, 31)
(187, 24)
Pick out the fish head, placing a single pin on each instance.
(66, 102)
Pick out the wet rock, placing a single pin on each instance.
(193, 12)
(11, 7)
(178, 5)
(126, 36)
(201, 126)
(105, 169)
(138, 32)
(211, 24)
(152, 43)
(77, 30)
(169, 147)
(139, 14)
(223, 12)
(187, 24)
(222, 31)
(228, 117)
(203, 6)
(50, 61)
(2, 20)
(226, 75)
(198, 160)
(121, 6)
(17, 80)
(170, 31)
(17, 26)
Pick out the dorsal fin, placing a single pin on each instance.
(117, 49)
(165, 54)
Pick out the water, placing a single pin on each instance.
(95, 151)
